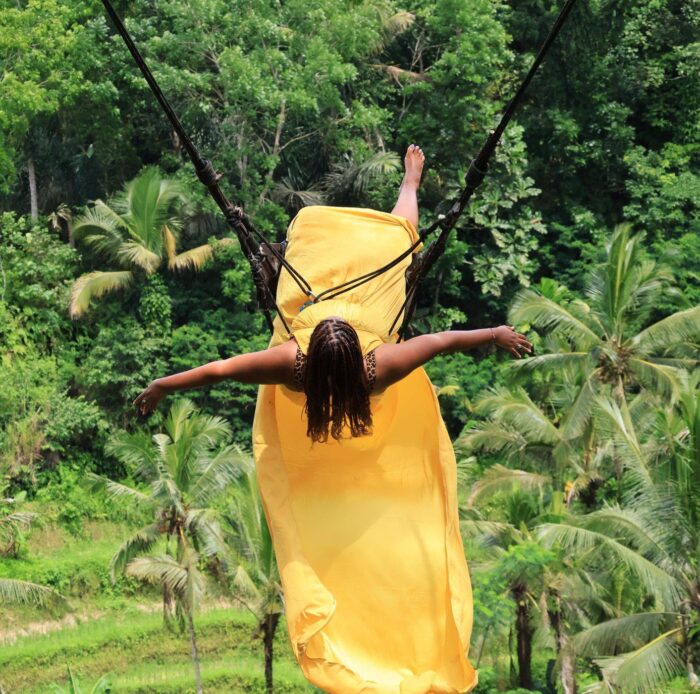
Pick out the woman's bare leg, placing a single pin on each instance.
(407, 203)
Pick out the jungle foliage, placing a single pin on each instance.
(579, 493)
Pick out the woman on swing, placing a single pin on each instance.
(355, 467)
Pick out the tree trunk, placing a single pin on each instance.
(33, 201)
(693, 679)
(568, 659)
(481, 647)
(195, 654)
(524, 631)
(269, 626)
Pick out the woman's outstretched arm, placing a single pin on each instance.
(394, 362)
(267, 366)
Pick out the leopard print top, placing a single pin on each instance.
(300, 368)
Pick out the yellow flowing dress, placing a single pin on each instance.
(377, 594)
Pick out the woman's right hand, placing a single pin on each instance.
(148, 400)
(513, 342)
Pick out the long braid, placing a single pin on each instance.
(336, 385)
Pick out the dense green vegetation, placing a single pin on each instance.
(579, 467)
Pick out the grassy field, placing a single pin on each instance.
(119, 628)
(144, 657)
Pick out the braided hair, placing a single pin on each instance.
(335, 382)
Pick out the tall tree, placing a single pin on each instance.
(654, 537)
(183, 469)
(604, 341)
(256, 578)
(138, 231)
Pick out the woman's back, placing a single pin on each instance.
(332, 245)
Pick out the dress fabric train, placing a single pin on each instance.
(377, 593)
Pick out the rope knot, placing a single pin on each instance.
(207, 175)
(234, 214)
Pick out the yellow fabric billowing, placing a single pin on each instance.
(377, 592)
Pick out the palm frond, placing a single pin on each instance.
(148, 204)
(350, 177)
(657, 339)
(583, 541)
(629, 524)
(494, 437)
(531, 307)
(391, 26)
(135, 253)
(116, 490)
(647, 668)
(491, 531)
(578, 413)
(556, 362)
(499, 478)
(102, 229)
(203, 525)
(14, 592)
(217, 472)
(622, 633)
(176, 423)
(94, 285)
(162, 570)
(209, 430)
(169, 243)
(294, 198)
(660, 378)
(194, 259)
(514, 407)
(378, 164)
(141, 541)
(135, 450)
(615, 426)
(244, 584)
(182, 578)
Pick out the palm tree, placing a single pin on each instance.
(512, 546)
(12, 524)
(15, 592)
(180, 578)
(184, 470)
(524, 434)
(137, 231)
(256, 578)
(602, 342)
(655, 537)
(102, 686)
(349, 179)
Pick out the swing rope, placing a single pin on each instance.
(267, 259)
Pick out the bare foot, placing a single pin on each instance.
(413, 161)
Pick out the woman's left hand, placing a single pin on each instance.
(513, 342)
(148, 400)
